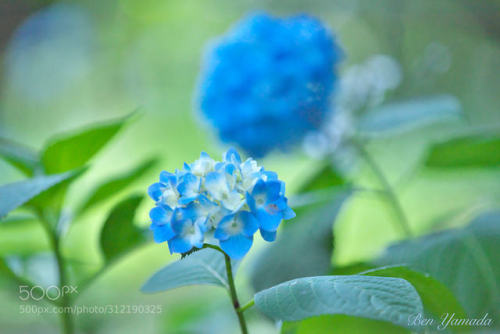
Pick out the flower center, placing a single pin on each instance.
(272, 208)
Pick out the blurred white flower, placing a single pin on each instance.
(361, 86)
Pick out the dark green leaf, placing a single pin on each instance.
(325, 177)
(19, 156)
(327, 324)
(16, 194)
(408, 115)
(117, 184)
(467, 151)
(119, 234)
(302, 249)
(206, 266)
(379, 298)
(436, 297)
(5, 271)
(76, 149)
(465, 260)
(351, 269)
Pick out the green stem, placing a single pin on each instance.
(391, 195)
(66, 318)
(247, 306)
(232, 290)
(234, 296)
(65, 303)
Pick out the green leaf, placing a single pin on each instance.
(352, 268)
(327, 324)
(467, 151)
(206, 266)
(74, 150)
(302, 249)
(5, 271)
(119, 234)
(398, 117)
(16, 194)
(19, 156)
(325, 177)
(436, 297)
(111, 187)
(50, 202)
(22, 235)
(465, 260)
(379, 298)
(318, 189)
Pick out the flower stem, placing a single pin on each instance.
(234, 296)
(391, 195)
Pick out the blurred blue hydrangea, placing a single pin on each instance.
(268, 81)
(222, 203)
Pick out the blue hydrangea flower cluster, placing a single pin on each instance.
(222, 203)
(268, 81)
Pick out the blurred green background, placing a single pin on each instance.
(103, 59)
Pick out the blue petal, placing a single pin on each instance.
(267, 235)
(250, 224)
(288, 213)
(155, 191)
(250, 202)
(179, 219)
(161, 214)
(163, 233)
(179, 245)
(229, 169)
(168, 178)
(267, 221)
(219, 165)
(270, 175)
(190, 185)
(202, 224)
(273, 190)
(237, 246)
(220, 232)
(232, 156)
(187, 200)
(259, 188)
(281, 203)
(216, 184)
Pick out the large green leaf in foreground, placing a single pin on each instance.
(379, 298)
(436, 297)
